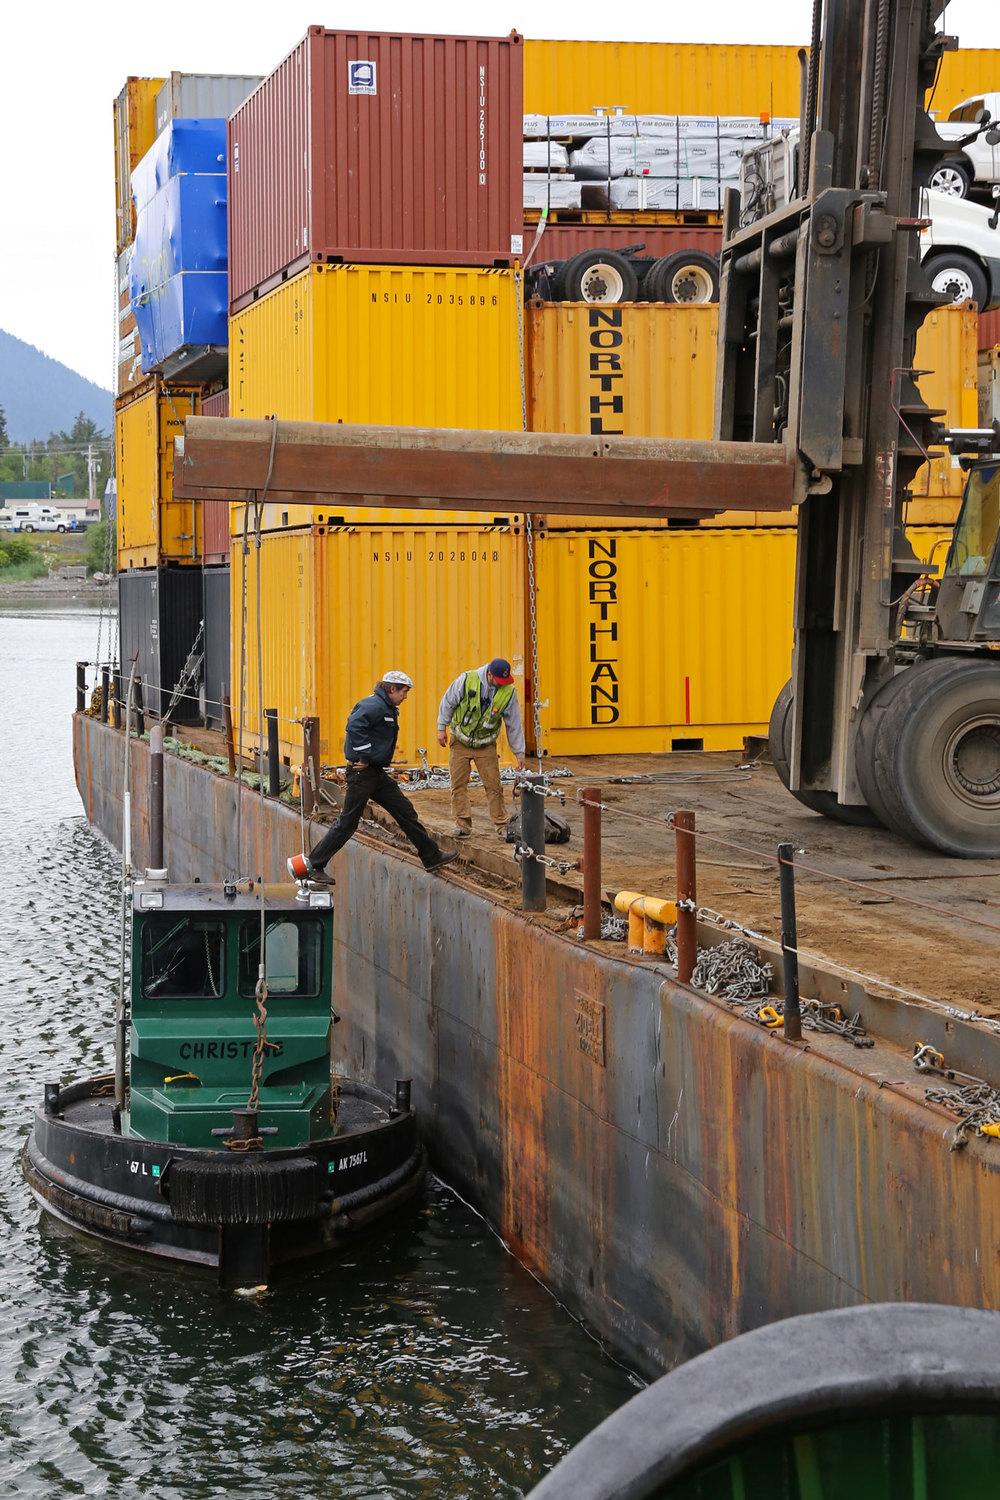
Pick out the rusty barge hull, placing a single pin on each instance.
(674, 1174)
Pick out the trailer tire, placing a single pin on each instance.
(957, 276)
(938, 754)
(598, 276)
(689, 277)
(779, 743)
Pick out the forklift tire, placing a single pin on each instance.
(874, 776)
(779, 743)
(689, 277)
(598, 276)
(938, 752)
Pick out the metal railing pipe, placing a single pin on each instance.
(591, 799)
(687, 896)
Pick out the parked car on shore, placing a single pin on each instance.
(976, 163)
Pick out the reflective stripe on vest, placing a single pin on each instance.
(474, 723)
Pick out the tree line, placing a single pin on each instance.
(61, 453)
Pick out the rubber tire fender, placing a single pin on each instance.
(944, 262)
(571, 279)
(916, 733)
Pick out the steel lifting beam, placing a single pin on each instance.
(336, 465)
(820, 304)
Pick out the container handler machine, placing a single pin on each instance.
(892, 713)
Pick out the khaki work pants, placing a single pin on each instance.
(487, 760)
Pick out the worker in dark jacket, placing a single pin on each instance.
(372, 730)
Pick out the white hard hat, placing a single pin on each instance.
(398, 679)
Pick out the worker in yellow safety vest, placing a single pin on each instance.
(476, 704)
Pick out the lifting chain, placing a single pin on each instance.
(976, 1102)
(733, 970)
(563, 866)
(815, 1015)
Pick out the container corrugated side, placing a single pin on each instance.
(153, 528)
(679, 78)
(135, 132)
(287, 637)
(989, 387)
(946, 348)
(989, 329)
(560, 241)
(129, 349)
(661, 641)
(965, 73)
(202, 95)
(377, 147)
(667, 641)
(339, 608)
(394, 345)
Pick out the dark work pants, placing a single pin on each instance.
(372, 784)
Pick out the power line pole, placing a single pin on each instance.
(91, 474)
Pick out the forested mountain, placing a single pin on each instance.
(40, 396)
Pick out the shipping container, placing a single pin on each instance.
(153, 528)
(946, 349)
(988, 405)
(129, 351)
(339, 608)
(160, 611)
(201, 95)
(989, 329)
(650, 642)
(217, 646)
(215, 403)
(135, 131)
(648, 370)
(373, 147)
(412, 346)
(561, 240)
(703, 79)
(177, 276)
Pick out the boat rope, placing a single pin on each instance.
(529, 535)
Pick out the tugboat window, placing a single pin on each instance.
(294, 957)
(183, 958)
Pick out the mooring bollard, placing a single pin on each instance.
(789, 943)
(81, 686)
(533, 838)
(687, 897)
(591, 798)
(227, 720)
(273, 778)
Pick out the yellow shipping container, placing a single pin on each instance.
(341, 607)
(648, 370)
(688, 78)
(135, 132)
(413, 346)
(154, 528)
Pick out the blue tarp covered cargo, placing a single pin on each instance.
(178, 280)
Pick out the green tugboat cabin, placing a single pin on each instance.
(194, 1038)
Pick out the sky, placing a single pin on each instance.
(63, 65)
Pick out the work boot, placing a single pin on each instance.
(444, 857)
(460, 833)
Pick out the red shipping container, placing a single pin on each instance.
(989, 329)
(381, 149)
(216, 405)
(560, 241)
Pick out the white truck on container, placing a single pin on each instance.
(959, 250)
(976, 161)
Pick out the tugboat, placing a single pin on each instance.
(223, 1140)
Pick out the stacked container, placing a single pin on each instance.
(374, 229)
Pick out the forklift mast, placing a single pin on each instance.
(820, 303)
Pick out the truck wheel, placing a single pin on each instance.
(779, 743)
(29, 526)
(686, 276)
(598, 276)
(941, 742)
(951, 177)
(60, 527)
(957, 276)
